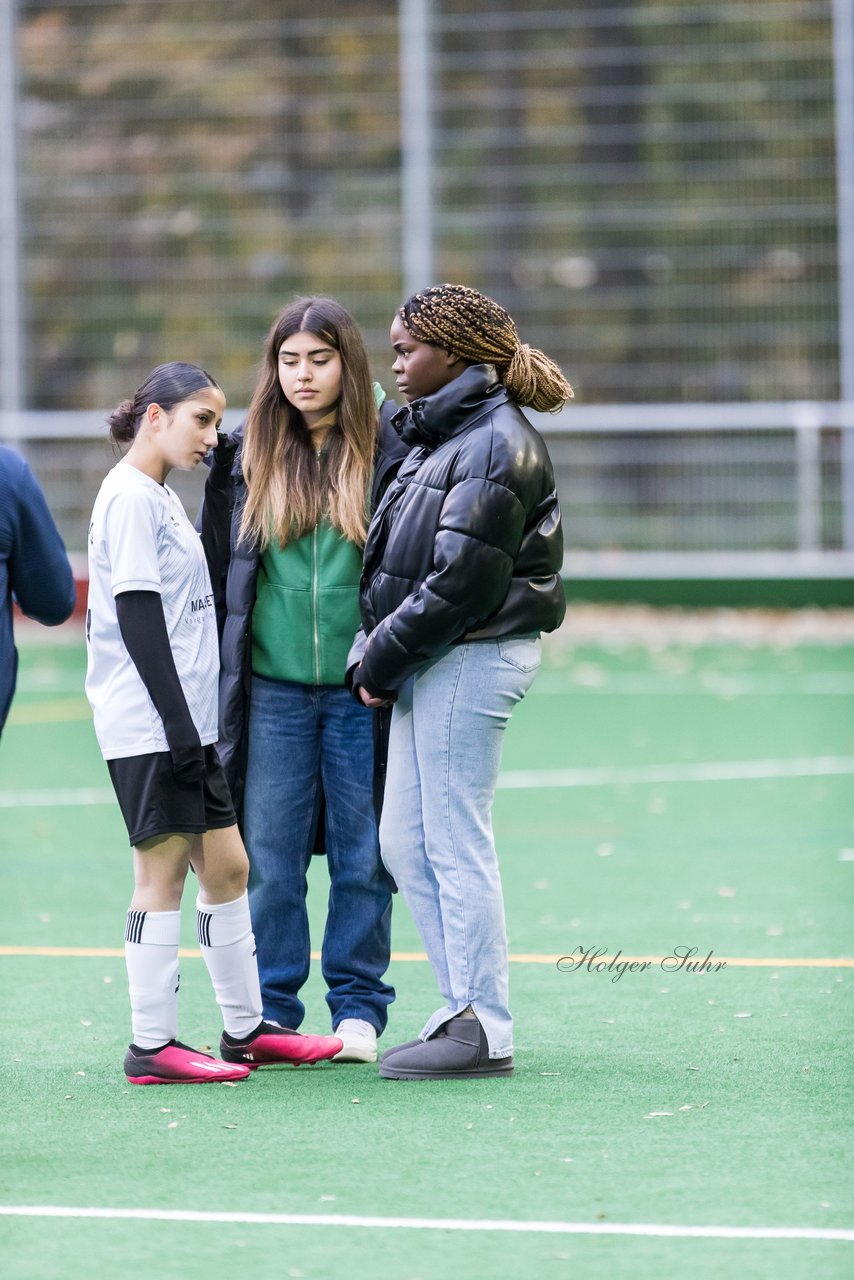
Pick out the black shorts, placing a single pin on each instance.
(154, 803)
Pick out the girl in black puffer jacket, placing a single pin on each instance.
(461, 575)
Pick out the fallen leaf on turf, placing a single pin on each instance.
(229, 1126)
(742, 1015)
(80, 1073)
(165, 1110)
(69, 1097)
(653, 1114)
(354, 1100)
(84, 1022)
(173, 1124)
(692, 1068)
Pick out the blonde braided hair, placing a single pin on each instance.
(475, 328)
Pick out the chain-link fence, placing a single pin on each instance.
(652, 187)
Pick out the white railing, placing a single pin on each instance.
(648, 491)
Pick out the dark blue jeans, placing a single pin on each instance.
(302, 738)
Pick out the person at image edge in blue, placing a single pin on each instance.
(286, 510)
(34, 569)
(461, 574)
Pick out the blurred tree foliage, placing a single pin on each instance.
(648, 185)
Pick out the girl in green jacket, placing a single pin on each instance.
(308, 457)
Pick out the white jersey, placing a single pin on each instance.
(140, 539)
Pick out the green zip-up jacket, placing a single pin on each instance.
(307, 608)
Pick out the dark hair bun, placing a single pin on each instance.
(122, 422)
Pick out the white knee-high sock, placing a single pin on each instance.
(151, 956)
(228, 946)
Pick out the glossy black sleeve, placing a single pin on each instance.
(213, 522)
(143, 629)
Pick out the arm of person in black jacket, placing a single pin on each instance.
(39, 572)
(143, 628)
(371, 697)
(478, 536)
(213, 523)
(477, 539)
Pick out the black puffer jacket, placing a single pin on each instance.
(234, 570)
(467, 542)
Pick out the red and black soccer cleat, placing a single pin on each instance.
(270, 1043)
(177, 1063)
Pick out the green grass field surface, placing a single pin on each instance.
(655, 1100)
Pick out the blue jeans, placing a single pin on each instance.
(436, 837)
(303, 738)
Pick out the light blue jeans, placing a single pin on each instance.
(436, 836)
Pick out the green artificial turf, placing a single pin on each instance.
(751, 1064)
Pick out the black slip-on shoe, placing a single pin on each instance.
(458, 1051)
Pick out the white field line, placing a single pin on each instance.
(713, 771)
(590, 679)
(432, 1224)
(524, 779)
(56, 799)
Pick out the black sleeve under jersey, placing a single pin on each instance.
(143, 628)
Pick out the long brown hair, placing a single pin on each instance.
(287, 492)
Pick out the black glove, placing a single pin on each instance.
(188, 761)
(226, 447)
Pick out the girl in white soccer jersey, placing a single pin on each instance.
(152, 681)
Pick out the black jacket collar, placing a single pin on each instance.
(449, 410)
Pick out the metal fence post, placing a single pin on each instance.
(12, 391)
(416, 142)
(808, 478)
(843, 59)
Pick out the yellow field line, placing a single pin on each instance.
(54, 712)
(742, 962)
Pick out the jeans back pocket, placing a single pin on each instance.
(522, 652)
